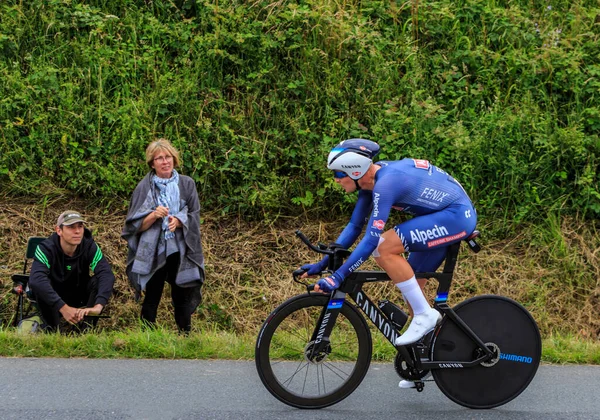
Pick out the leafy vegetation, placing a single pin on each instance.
(504, 95)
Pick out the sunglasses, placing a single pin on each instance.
(338, 174)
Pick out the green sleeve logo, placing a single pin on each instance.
(41, 257)
(97, 258)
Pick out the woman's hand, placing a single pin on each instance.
(161, 211)
(174, 223)
(158, 213)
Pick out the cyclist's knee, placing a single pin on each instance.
(389, 245)
(378, 260)
(377, 252)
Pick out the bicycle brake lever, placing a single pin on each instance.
(299, 272)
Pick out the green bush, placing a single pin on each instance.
(502, 95)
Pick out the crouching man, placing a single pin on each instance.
(61, 279)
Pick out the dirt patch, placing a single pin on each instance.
(248, 266)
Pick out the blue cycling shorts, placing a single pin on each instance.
(427, 238)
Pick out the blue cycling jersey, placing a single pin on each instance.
(442, 209)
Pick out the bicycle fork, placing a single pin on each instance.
(319, 346)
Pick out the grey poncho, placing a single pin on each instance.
(146, 250)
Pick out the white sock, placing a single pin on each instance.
(411, 291)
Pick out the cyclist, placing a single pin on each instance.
(443, 215)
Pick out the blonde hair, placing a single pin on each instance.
(161, 145)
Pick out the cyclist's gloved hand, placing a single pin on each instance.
(329, 284)
(312, 269)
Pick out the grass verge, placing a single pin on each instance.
(214, 344)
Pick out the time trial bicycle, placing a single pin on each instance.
(315, 349)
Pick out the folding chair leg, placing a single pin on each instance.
(19, 311)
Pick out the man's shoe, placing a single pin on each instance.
(420, 325)
(404, 384)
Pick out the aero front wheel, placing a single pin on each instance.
(284, 346)
(509, 331)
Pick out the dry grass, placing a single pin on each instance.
(248, 268)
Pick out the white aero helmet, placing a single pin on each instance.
(352, 157)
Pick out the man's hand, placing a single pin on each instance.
(327, 285)
(72, 315)
(94, 310)
(311, 270)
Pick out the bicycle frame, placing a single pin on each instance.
(352, 286)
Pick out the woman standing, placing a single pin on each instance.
(162, 230)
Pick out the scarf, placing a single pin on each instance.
(168, 197)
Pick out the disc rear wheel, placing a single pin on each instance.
(509, 331)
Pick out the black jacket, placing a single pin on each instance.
(56, 277)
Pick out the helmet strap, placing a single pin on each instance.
(356, 183)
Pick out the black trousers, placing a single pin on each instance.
(185, 299)
(77, 297)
